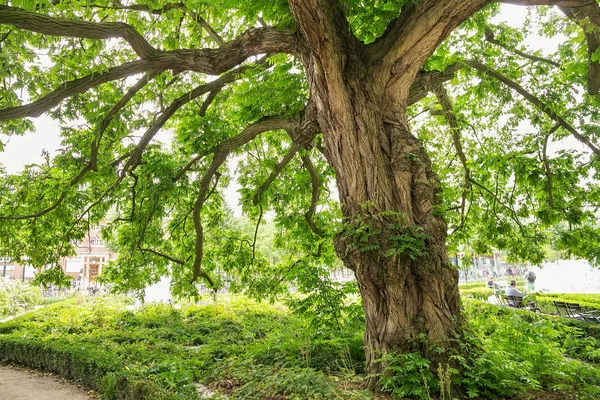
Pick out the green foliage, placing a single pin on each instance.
(366, 233)
(521, 351)
(158, 352)
(251, 350)
(586, 301)
(17, 297)
(408, 375)
(479, 293)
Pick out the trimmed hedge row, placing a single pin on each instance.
(85, 363)
(159, 352)
(91, 367)
(586, 301)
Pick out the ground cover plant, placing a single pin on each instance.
(251, 350)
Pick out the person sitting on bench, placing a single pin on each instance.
(513, 291)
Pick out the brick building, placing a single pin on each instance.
(91, 256)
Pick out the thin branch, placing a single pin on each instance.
(278, 168)
(164, 9)
(208, 101)
(211, 32)
(535, 101)
(490, 37)
(165, 256)
(260, 215)
(115, 110)
(513, 214)
(316, 185)
(77, 86)
(448, 110)
(547, 165)
(56, 203)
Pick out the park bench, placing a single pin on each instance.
(575, 311)
(517, 302)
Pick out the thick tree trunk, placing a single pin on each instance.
(395, 240)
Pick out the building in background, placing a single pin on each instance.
(91, 255)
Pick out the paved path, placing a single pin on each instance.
(22, 384)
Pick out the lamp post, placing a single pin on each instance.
(4, 271)
(23, 278)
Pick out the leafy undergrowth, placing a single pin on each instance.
(250, 350)
(247, 350)
(523, 351)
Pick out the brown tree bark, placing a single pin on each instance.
(384, 176)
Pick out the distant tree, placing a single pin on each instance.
(300, 94)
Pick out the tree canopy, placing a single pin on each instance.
(226, 83)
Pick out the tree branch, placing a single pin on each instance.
(92, 164)
(425, 80)
(47, 25)
(253, 42)
(513, 214)
(213, 86)
(490, 37)
(164, 9)
(77, 86)
(588, 18)
(325, 28)
(412, 37)
(448, 110)
(547, 164)
(221, 152)
(165, 256)
(535, 101)
(316, 185)
(278, 168)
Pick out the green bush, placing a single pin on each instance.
(472, 285)
(255, 351)
(158, 352)
(522, 351)
(16, 296)
(479, 293)
(586, 301)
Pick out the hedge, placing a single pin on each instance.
(587, 301)
(85, 363)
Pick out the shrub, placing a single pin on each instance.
(521, 351)
(479, 293)
(17, 296)
(586, 301)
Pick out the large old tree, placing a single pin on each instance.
(426, 113)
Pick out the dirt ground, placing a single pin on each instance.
(23, 384)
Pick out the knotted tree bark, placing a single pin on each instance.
(395, 239)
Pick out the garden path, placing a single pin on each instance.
(23, 384)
